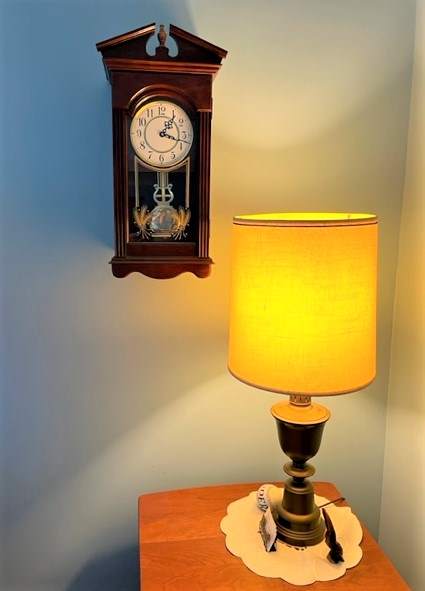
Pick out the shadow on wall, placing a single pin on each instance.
(64, 174)
(117, 571)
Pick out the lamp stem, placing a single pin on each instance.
(300, 426)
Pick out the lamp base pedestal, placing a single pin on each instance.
(300, 427)
(299, 521)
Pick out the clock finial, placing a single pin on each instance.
(162, 49)
(162, 35)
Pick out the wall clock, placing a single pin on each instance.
(161, 113)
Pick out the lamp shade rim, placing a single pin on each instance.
(291, 392)
(297, 219)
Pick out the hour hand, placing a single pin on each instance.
(167, 125)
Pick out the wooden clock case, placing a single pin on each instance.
(137, 77)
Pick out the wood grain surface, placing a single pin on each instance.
(182, 547)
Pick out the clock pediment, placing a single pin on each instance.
(132, 45)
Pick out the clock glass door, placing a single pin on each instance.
(161, 164)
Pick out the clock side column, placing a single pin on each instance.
(204, 181)
(120, 168)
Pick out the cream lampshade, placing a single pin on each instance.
(303, 323)
(303, 302)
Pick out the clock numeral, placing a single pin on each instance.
(184, 135)
(142, 145)
(149, 112)
(142, 121)
(161, 158)
(150, 154)
(181, 146)
(139, 132)
(161, 109)
(181, 121)
(173, 156)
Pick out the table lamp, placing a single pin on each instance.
(303, 323)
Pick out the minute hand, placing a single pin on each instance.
(171, 137)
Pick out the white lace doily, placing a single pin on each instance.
(298, 566)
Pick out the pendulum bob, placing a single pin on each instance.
(298, 519)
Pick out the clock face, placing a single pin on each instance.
(161, 134)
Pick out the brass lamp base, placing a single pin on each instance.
(300, 427)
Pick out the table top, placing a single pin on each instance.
(183, 549)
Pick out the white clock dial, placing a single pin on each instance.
(161, 134)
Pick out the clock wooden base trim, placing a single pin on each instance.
(161, 267)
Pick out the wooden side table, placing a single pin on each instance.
(182, 547)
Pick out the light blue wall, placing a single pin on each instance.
(116, 387)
